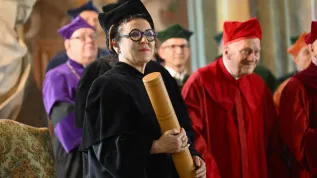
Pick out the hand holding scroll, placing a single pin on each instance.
(172, 141)
(167, 119)
(201, 167)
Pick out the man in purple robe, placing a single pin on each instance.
(89, 13)
(59, 88)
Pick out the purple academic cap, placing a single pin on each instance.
(67, 30)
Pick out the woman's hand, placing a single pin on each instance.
(172, 141)
(201, 167)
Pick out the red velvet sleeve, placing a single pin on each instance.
(277, 94)
(294, 125)
(193, 96)
(310, 147)
(277, 167)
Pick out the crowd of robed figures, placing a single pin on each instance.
(104, 124)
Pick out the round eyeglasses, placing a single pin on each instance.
(136, 35)
(85, 37)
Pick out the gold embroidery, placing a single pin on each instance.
(73, 70)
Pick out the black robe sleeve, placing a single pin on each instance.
(60, 111)
(115, 137)
(67, 164)
(92, 71)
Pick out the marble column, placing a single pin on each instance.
(296, 16)
(271, 15)
(304, 12)
(210, 22)
(280, 20)
(202, 21)
(231, 10)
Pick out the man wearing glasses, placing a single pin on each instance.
(90, 14)
(59, 87)
(175, 52)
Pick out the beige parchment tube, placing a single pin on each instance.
(167, 119)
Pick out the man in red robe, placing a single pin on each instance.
(232, 110)
(301, 56)
(298, 115)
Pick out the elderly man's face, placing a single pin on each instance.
(82, 46)
(313, 51)
(242, 56)
(175, 52)
(91, 18)
(303, 59)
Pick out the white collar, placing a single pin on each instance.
(179, 76)
(224, 63)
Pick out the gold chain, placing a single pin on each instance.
(73, 70)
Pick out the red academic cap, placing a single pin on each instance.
(312, 36)
(235, 31)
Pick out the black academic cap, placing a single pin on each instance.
(85, 7)
(174, 31)
(115, 12)
(218, 37)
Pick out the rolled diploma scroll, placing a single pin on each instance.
(167, 119)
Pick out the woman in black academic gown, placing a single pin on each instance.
(120, 131)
